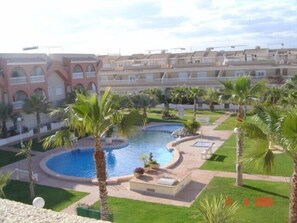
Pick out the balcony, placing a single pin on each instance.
(157, 82)
(37, 79)
(17, 104)
(79, 75)
(18, 80)
(90, 74)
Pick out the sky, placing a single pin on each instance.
(143, 26)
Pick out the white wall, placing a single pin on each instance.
(56, 88)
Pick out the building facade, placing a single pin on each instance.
(200, 68)
(52, 76)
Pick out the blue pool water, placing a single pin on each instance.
(121, 161)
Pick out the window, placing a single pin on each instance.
(202, 75)
(238, 73)
(260, 73)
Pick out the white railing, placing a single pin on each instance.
(90, 74)
(57, 125)
(17, 104)
(37, 79)
(18, 80)
(79, 75)
(16, 138)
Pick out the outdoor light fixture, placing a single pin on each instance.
(19, 120)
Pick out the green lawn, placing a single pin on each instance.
(55, 198)
(8, 158)
(127, 210)
(155, 115)
(225, 157)
(36, 146)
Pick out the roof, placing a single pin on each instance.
(24, 57)
(74, 57)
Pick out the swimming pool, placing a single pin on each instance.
(119, 161)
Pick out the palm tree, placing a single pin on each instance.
(37, 105)
(88, 115)
(177, 94)
(275, 126)
(241, 92)
(6, 113)
(211, 96)
(144, 101)
(194, 93)
(26, 150)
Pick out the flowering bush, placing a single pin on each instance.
(139, 170)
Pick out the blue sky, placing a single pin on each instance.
(135, 26)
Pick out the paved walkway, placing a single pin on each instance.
(190, 161)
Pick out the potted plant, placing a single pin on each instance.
(108, 138)
(138, 171)
(146, 164)
(153, 163)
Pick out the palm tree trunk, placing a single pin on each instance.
(293, 199)
(38, 125)
(211, 106)
(4, 129)
(195, 107)
(239, 151)
(101, 176)
(239, 147)
(32, 192)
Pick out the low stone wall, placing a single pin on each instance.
(15, 212)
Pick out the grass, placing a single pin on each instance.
(36, 145)
(56, 199)
(155, 115)
(225, 157)
(230, 123)
(8, 157)
(127, 210)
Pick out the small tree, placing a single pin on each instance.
(192, 126)
(26, 150)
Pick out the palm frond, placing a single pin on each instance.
(63, 137)
(4, 179)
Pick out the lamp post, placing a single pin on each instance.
(19, 120)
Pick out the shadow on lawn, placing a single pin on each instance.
(265, 191)
(217, 158)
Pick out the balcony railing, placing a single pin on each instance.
(18, 80)
(173, 81)
(17, 104)
(79, 75)
(37, 79)
(90, 74)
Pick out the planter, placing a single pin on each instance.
(137, 175)
(86, 211)
(146, 169)
(155, 166)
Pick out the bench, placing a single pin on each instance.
(206, 152)
(24, 174)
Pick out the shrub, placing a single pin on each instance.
(192, 126)
(139, 170)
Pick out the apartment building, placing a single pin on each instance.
(53, 76)
(200, 68)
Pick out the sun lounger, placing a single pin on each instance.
(24, 174)
(167, 181)
(206, 152)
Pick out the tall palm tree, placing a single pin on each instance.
(144, 101)
(194, 93)
(211, 96)
(26, 150)
(241, 92)
(36, 105)
(177, 94)
(278, 126)
(6, 113)
(88, 115)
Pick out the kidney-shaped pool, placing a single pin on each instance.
(119, 161)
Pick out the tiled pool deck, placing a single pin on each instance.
(190, 160)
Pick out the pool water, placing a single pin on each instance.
(120, 161)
